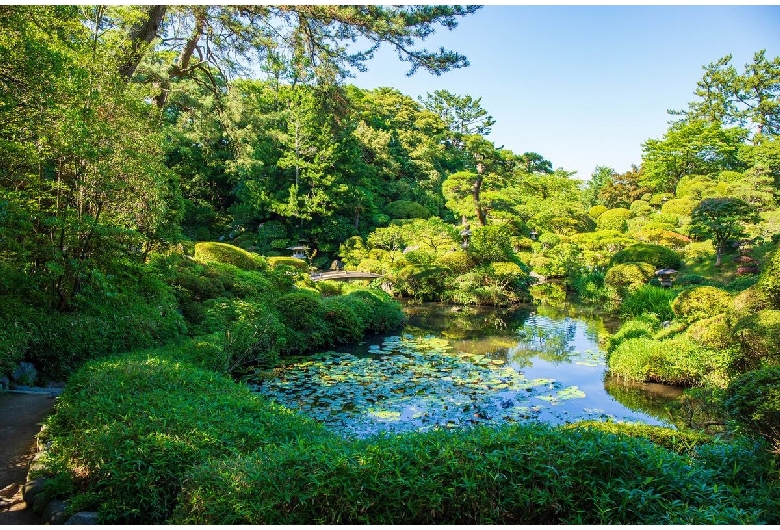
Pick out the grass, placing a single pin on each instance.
(152, 437)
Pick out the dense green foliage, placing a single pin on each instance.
(149, 195)
(659, 256)
(216, 454)
(754, 401)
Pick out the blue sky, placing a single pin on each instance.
(585, 85)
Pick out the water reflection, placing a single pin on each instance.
(453, 367)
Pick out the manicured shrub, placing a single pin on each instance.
(769, 281)
(330, 287)
(458, 261)
(344, 325)
(748, 302)
(381, 313)
(648, 299)
(508, 276)
(419, 257)
(279, 262)
(697, 303)
(421, 282)
(699, 252)
(596, 211)
(759, 337)
(627, 277)
(614, 219)
(680, 207)
(640, 207)
(407, 210)
(714, 332)
(303, 315)
(658, 256)
(207, 252)
(753, 400)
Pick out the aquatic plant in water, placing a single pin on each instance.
(412, 383)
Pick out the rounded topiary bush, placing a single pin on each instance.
(344, 325)
(407, 210)
(627, 277)
(596, 211)
(223, 253)
(380, 312)
(759, 336)
(753, 400)
(614, 219)
(702, 302)
(748, 302)
(419, 257)
(302, 314)
(276, 262)
(423, 282)
(714, 332)
(458, 261)
(658, 256)
(640, 207)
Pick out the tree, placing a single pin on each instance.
(620, 190)
(748, 99)
(463, 190)
(463, 115)
(721, 219)
(307, 42)
(691, 147)
(598, 179)
(535, 163)
(86, 174)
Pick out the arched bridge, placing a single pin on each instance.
(344, 276)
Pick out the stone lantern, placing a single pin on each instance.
(465, 234)
(299, 251)
(666, 277)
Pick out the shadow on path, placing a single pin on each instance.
(21, 417)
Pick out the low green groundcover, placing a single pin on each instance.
(150, 437)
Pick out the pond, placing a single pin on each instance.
(454, 367)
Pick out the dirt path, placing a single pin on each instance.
(21, 416)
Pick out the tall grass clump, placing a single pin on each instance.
(648, 299)
(529, 474)
(128, 430)
(675, 361)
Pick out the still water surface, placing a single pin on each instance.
(457, 367)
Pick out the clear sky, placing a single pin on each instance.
(585, 86)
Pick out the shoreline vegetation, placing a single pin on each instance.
(151, 195)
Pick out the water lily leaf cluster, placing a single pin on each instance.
(411, 383)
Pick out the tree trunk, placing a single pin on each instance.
(141, 35)
(475, 190)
